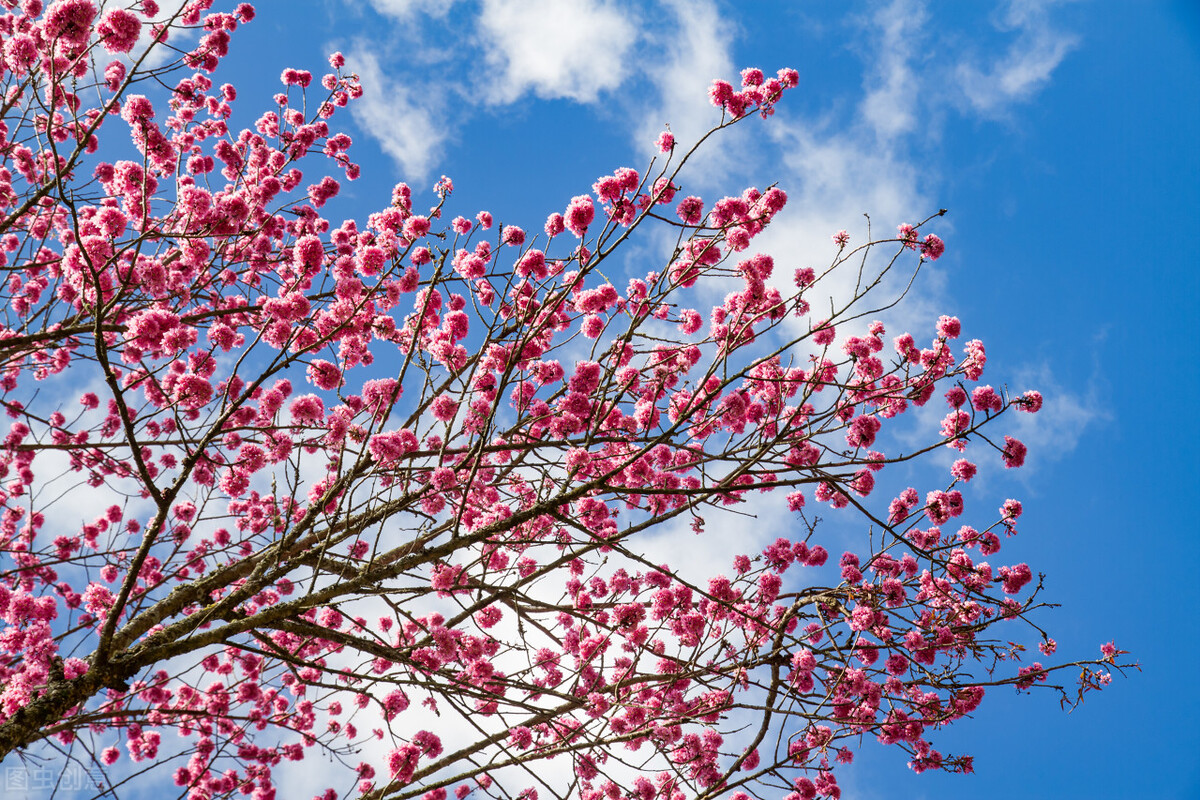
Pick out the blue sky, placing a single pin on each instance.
(1063, 139)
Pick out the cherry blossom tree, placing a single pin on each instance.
(274, 488)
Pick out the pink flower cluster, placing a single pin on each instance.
(758, 92)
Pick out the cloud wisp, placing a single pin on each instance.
(405, 126)
(1025, 68)
(554, 49)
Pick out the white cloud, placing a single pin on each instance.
(696, 49)
(891, 99)
(389, 112)
(572, 49)
(406, 9)
(1027, 65)
(1053, 433)
(834, 175)
(843, 175)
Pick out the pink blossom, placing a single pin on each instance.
(690, 210)
(98, 599)
(804, 277)
(906, 348)
(379, 395)
(984, 398)
(512, 235)
(863, 483)
(1030, 402)
(192, 391)
(443, 478)
(444, 408)
(532, 263)
(933, 247)
(69, 21)
(955, 424)
(975, 361)
(1015, 578)
(817, 556)
(963, 470)
(148, 329)
(296, 77)
(521, 737)
(862, 618)
(896, 664)
(752, 76)
(609, 188)
(415, 227)
(429, 743)
(862, 431)
(665, 142)
(720, 93)
(594, 301)
(824, 334)
(388, 448)
(586, 377)
(1014, 452)
(555, 225)
(114, 74)
(949, 327)
(321, 193)
(488, 617)
(690, 321)
(469, 265)
(394, 703)
(1029, 674)
(593, 326)
(445, 578)
(579, 215)
(772, 201)
(324, 375)
(664, 191)
(119, 30)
